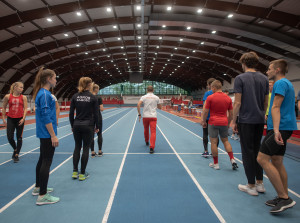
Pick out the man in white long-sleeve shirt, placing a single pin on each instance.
(151, 103)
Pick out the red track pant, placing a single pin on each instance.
(152, 123)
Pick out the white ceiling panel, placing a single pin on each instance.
(5, 56)
(27, 27)
(4, 35)
(25, 77)
(72, 17)
(39, 56)
(22, 47)
(108, 28)
(62, 35)
(46, 24)
(123, 11)
(22, 63)
(58, 2)
(82, 32)
(5, 10)
(7, 75)
(25, 5)
(127, 27)
(100, 13)
(44, 40)
(289, 6)
(259, 3)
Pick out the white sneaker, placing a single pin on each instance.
(260, 188)
(252, 191)
(215, 166)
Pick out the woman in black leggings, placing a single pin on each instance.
(46, 131)
(17, 104)
(83, 127)
(99, 134)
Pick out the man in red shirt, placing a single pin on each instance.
(219, 104)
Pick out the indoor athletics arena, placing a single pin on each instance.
(149, 111)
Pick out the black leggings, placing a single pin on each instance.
(43, 165)
(250, 139)
(205, 137)
(82, 134)
(12, 124)
(100, 141)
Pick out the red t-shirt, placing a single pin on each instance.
(218, 104)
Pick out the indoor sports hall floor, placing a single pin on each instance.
(129, 185)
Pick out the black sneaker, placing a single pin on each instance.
(13, 155)
(234, 166)
(151, 150)
(16, 159)
(100, 154)
(147, 143)
(272, 203)
(93, 155)
(282, 205)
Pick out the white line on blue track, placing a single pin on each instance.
(211, 204)
(61, 164)
(291, 191)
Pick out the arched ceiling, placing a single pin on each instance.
(174, 41)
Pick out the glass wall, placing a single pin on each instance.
(128, 88)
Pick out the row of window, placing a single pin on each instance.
(128, 88)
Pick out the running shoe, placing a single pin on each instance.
(282, 205)
(84, 176)
(273, 202)
(205, 154)
(100, 153)
(260, 188)
(215, 166)
(36, 191)
(147, 143)
(93, 155)
(16, 159)
(75, 175)
(151, 150)
(249, 190)
(234, 164)
(47, 199)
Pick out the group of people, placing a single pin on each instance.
(256, 101)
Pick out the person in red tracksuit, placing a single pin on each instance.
(151, 103)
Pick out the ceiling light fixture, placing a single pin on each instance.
(78, 13)
(114, 26)
(188, 28)
(213, 32)
(49, 20)
(77, 45)
(90, 30)
(202, 43)
(108, 9)
(230, 16)
(199, 11)
(169, 8)
(164, 26)
(66, 34)
(181, 40)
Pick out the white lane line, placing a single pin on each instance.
(31, 187)
(65, 136)
(113, 193)
(211, 204)
(291, 191)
